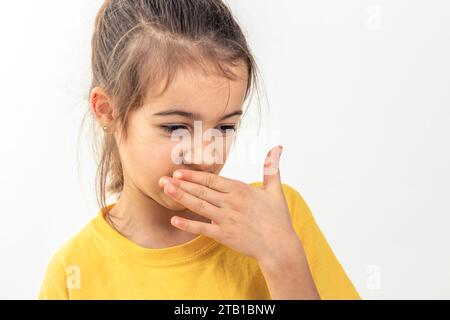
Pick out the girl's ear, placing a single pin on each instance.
(101, 106)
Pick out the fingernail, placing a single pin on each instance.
(163, 181)
(280, 150)
(176, 221)
(177, 174)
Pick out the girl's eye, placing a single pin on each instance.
(225, 128)
(171, 129)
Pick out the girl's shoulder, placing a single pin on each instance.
(77, 246)
(65, 263)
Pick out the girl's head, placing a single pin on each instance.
(158, 66)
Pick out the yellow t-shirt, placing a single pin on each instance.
(100, 263)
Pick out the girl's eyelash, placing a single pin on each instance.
(171, 129)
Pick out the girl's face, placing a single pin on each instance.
(196, 104)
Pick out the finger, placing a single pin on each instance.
(197, 227)
(200, 206)
(210, 180)
(212, 196)
(272, 177)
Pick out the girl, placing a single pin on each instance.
(178, 230)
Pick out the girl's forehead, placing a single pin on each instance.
(208, 79)
(195, 92)
(196, 76)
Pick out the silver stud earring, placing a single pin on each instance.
(105, 128)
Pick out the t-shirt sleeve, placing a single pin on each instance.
(54, 285)
(329, 276)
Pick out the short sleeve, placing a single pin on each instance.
(54, 285)
(329, 276)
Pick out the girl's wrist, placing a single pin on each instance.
(287, 274)
(286, 255)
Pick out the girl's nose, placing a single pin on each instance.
(202, 158)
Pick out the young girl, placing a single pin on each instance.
(179, 230)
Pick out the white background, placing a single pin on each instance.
(358, 91)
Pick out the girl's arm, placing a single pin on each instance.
(287, 273)
(269, 222)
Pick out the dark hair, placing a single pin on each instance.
(139, 43)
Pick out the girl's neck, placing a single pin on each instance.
(145, 222)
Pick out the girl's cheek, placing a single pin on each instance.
(174, 153)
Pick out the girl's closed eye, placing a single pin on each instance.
(172, 128)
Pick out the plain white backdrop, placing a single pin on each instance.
(358, 94)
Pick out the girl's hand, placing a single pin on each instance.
(254, 221)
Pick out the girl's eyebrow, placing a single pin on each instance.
(193, 116)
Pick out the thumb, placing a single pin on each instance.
(272, 179)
